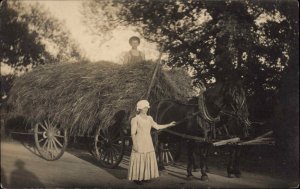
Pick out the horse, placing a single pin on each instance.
(221, 112)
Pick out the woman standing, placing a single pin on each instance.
(143, 164)
(134, 55)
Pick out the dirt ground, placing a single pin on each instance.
(22, 167)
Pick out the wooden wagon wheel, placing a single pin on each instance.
(169, 151)
(51, 141)
(109, 146)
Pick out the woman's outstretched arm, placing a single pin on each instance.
(159, 127)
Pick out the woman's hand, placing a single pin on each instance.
(135, 147)
(173, 123)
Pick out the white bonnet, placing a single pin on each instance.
(142, 104)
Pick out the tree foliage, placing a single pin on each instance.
(31, 36)
(219, 39)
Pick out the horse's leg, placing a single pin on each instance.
(230, 166)
(236, 165)
(195, 166)
(203, 155)
(191, 159)
(206, 157)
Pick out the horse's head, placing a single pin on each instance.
(229, 100)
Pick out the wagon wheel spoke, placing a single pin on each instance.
(102, 155)
(116, 146)
(55, 139)
(44, 145)
(46, 124)
(50, 149)
(102, 135)
(115, 150)
(115, 133)
(166, 157)
(170, 155)
(100, 144)
(59, 136)
(54, 125)
(55, 146)
(48, 144)
(110, 157)
(116, 153)
(51, 145)
(98, 155)
(42, 140)
(105, 133)
(163, 157)
(111, 134)
(117, 139)
(42, 126)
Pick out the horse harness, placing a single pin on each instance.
(199, 115)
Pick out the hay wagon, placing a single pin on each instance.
(98, 99)
(63, 100)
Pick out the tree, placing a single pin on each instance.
(218, 39)
(286, 119)
(30, 36)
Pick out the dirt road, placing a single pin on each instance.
(22, 168)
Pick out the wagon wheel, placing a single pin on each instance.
(169, 151)
(50, 140)
(109, 146)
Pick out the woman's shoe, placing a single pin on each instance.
(138, 182)
(190, 177)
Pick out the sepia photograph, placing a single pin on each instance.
(149, 93)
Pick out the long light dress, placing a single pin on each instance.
(143, 164)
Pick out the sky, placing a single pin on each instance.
(112, 50)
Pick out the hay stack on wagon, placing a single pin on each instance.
(83, 96)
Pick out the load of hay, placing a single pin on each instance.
(83, 96)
